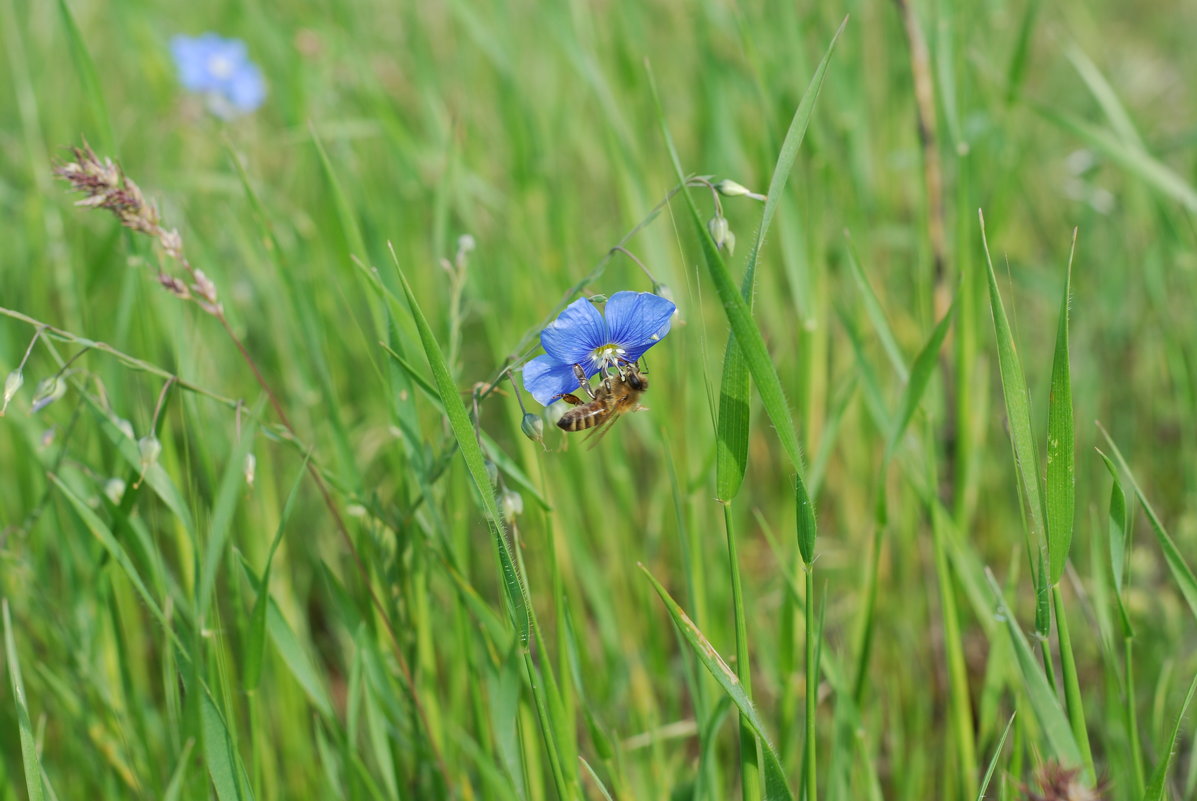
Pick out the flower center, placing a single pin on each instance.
(609, 355)
(220, 67)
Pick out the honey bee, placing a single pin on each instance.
(616, 396)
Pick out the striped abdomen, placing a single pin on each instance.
(588, 415)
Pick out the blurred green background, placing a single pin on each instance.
(389, 670)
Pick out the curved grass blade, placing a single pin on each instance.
(1018, 409)
(224, 763)
(1181, 571)
(1061, 444)
(30, 760)
(776, 788)
(732, 441)
(1043, 700)
(920, 374)
(1155, 790)
(997, 752)
(514, 590)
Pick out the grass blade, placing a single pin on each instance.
(220, 754)
(1155, 790)
(997, 752)
(1061, 444)
(1043, 700)
(514, 591)
(775, 781)
(732, 441)
(1018, 410)
(1181, 571)
(29, 757)
(920, 374)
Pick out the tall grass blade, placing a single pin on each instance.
(514, 591)
(776, 788)
(29, 757)
(85, 66)
(1018, 410)
(1061, 444)
(739, 316)
(733, 426)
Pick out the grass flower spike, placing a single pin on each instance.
(221, 71)
(631, 323)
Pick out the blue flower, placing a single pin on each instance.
(219, 69)
(631, 323)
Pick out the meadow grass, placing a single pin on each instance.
(910, 515)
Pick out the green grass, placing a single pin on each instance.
(996, 457)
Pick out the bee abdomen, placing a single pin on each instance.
(581, 418)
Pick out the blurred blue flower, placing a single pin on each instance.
(219, 69)
(631, 323)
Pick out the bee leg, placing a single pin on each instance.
(582, 382)
(571, 399)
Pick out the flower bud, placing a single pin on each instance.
(150, 448)
(251, 464)
(114, 488)
(597, 299)
(492, 472)
(729, 243)
(718, 228)
(533, 427)
(511, 504)
(466, 243)
(48, 390)
(729, 188)
(11, 384)
(125, 427)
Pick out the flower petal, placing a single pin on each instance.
(576, 332)
(638, 320)
(545, 378)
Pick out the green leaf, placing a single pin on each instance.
(733, 426)
(33, 766)
(1061, 444)
(1118, 532)
(1018, 410)
(1155, 790)
(775, 780)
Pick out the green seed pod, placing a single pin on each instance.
(719, 229)
(533, 427)
(729, 188)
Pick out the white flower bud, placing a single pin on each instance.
(11, 385)
(150, 448)
(48, 390)
(511, 504)
(251, 464)
(718, 228)
(114, 488)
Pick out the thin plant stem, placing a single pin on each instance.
(749, 764)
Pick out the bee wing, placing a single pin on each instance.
(602, 429)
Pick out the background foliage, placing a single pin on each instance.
(158, 646)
